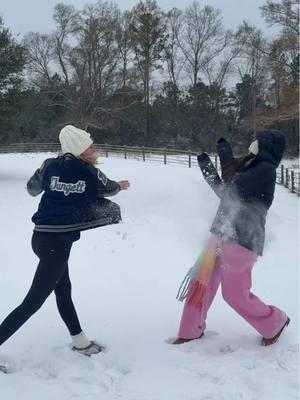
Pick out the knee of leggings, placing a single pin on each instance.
(63, 297)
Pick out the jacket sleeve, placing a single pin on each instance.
(105, 186)
(35, 184)
(227, 161)
(210, 173)
(225, 152)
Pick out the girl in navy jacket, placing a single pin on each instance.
(73, 200)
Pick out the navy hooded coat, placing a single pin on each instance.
(245, 201)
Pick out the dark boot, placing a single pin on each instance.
(182, 340)
(269, 341)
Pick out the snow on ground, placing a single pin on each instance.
(125, 279)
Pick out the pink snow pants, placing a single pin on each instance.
(233, 270)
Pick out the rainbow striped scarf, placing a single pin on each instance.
(194, 285)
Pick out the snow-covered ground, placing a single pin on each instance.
(125, 279)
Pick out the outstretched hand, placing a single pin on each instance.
(124, 185)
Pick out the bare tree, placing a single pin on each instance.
(67, 23)
(49, 57)
(173, 54)
(202, 38)
(39, 49)
(284, 13)
(284, 50)
(124, 44)
(253, 61)
(42, 67)
(95, 57)
(217, 70)
(216, 73)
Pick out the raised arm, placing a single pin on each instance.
(225, 152)
(210, 173)
(227, 161)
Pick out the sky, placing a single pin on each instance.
(36, 15)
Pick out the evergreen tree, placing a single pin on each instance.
(12, 61)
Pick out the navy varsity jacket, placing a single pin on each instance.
(74, 196)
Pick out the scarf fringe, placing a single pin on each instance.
(184, 287)
(194, 284)
(188, 281)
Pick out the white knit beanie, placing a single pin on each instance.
(74, 140)
(253, 148)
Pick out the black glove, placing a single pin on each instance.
(203, 159)
(221, 140)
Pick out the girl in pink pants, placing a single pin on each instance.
(233, 271)
(246, 191)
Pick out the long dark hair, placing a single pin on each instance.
(238, 165)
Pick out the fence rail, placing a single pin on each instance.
(288, 177)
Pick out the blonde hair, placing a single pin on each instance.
(92, 160)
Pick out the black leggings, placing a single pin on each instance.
(52, 274)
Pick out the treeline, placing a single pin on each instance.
(146, 77)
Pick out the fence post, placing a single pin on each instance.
(286, 177)
(125, 153)
(165, 156)
(298, 184)
(106, 153)
(216, 161)
(282, 174)
(292, 181)
(143, 152)
(190, 159)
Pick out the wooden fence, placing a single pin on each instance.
(288, 177)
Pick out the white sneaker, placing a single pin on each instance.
(92, 348)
